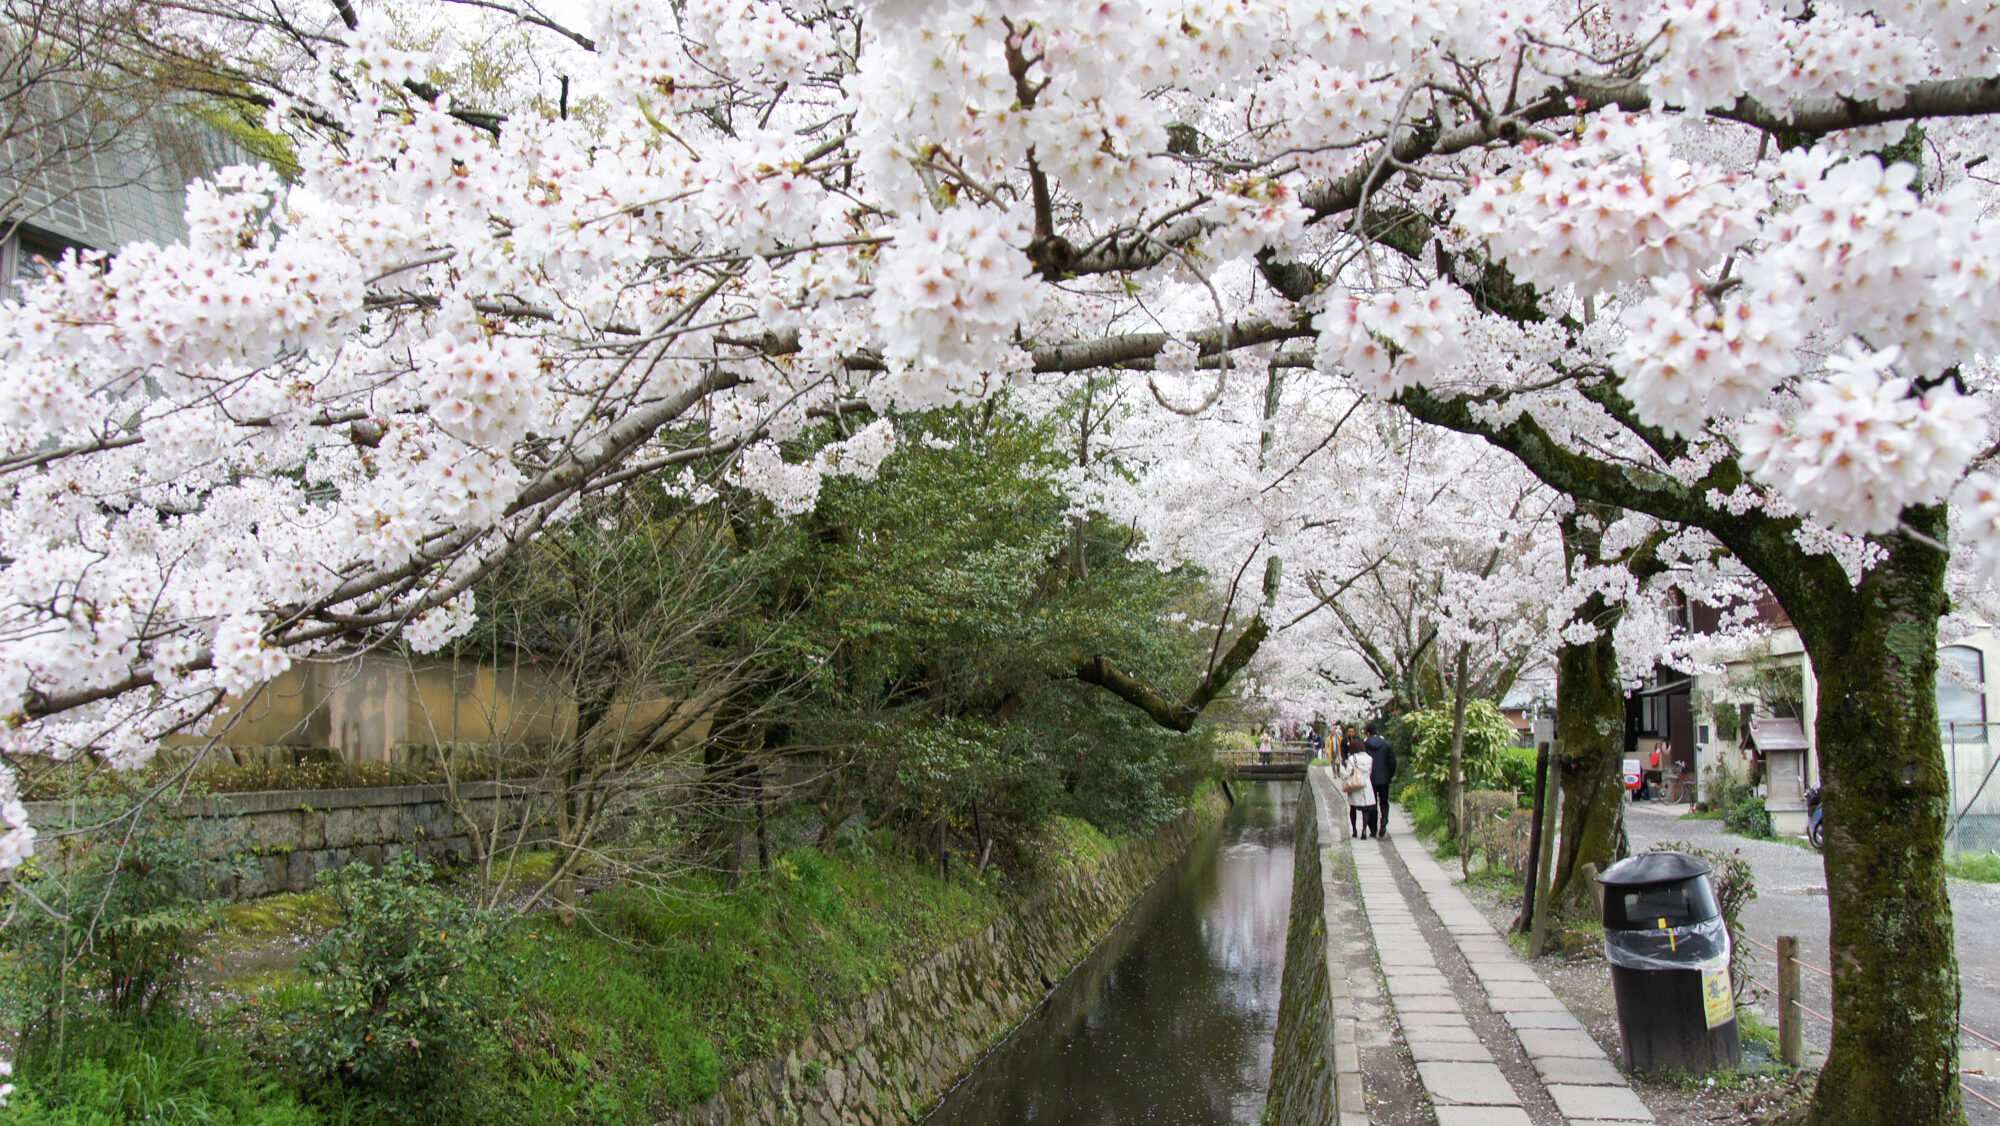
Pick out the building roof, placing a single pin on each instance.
(1771, 733)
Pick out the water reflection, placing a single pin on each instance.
(1171, 1020)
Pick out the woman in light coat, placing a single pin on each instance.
(1361, 764)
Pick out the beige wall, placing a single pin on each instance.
(374, 707)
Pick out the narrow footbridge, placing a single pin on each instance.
(1284, 761)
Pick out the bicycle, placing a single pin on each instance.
(1680, 789)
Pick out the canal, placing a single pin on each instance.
(1171, 1019)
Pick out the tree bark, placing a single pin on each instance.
(1894, 1055)
(1455, 771)
(1156, 704)
(1590, 726)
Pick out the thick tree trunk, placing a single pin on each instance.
(1590, 725)
(1894, 1055)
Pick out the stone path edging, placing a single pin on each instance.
(1466, 1087)
(1343, 922)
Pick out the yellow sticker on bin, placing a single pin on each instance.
(1718, 1002)
(1672, 943)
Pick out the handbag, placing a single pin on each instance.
(1353, 782)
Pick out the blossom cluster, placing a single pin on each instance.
(793, 489)
(1689, 358)
(1709, 53)
(1394, 339)
(17, 836)
(1611, 207)
(950, 291)
(1861, 251)
(1862, 445)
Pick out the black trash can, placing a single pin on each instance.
(1669, 952)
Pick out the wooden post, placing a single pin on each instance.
(1791, 1047)
(1538, 924)
(1535, 837)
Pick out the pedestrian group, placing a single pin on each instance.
(1367, 766)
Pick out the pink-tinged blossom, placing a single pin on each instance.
(1688, 358)
(950, 292)
(1863, 444)
(1611, 207)
(243, 660)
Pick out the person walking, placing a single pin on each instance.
(1350, 745)
(1382, 757)
(1361, 798)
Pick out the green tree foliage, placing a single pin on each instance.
(1488, 736)
(931, 624)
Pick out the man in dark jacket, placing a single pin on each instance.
(1380, 777)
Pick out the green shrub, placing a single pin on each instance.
(398, 994)
(108, 922)
(1488, 735)
(1748, 818)
(1517, 773)
(1722, 787)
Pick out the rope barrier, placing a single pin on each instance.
(1963, 1085)
(1963, 1027)
(1801, 1005)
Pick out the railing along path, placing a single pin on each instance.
(1790, 1035)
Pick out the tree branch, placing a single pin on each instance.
(1163, 711)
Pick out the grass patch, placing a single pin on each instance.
(1426, 816)
(646, 1004)
(165, 1070)
(1980, 867)
(1751, 1026)
(1070, 843)
(1701, 815)
(656, 997)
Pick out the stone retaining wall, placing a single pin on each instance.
(273, 841)
(270, 841)
(890, 1057)
(1316, 1069)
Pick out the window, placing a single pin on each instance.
(1654, 718)
(1961, 693)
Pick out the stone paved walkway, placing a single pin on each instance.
(1458, 1037)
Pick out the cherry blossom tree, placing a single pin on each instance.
(1724, 263)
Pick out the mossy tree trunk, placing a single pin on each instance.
(1590, 715)
(1590, 725)
(1896, 984)
(1455, 771)
(1894, 1051)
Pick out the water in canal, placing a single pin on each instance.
(1170, 1021)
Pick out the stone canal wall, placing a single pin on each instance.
(1316, 1069)
(889, 1058)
